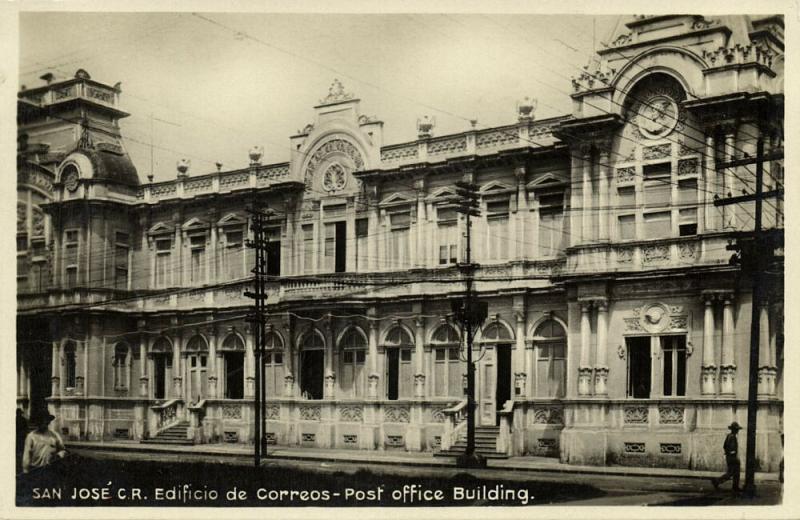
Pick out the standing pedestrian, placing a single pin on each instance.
(42, 446)
(731, 448)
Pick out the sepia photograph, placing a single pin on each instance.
(428, 259)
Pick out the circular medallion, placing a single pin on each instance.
(657, 116)
(334, 178)
(70, 177)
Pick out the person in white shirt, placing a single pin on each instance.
(42, 446)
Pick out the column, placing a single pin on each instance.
(522, 214)
(603, 210)
(213, 261)
(586, 211)
(585, 370)
(212, 362)
(728, 366)
(55, 371)
(372, 356)
(372, 236)
(177, 369)
(419, 353)
(144, 347)
(61, 378)
(728, 183)
(288, 357)
(773, 349)
(249, 364)
(575, 222)
(330, 366)
(709, 370)
(601, 363)
(764, 368)
(418, 232)
(518, 362)
(711, 222)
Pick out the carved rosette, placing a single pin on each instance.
(337, 158)
(419, 385)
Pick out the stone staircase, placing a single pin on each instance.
(176, 434)
(485, 444)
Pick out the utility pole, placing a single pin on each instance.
(755, 253)
(258, 318)
(471, 315)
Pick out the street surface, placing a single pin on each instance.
(90, 477)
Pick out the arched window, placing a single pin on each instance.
(448, 369)
(121, 364)
(496, 332)
(399, 364)
(273, 364)
(161, 352)
(312, 365)
(353, 352)
(233, 366)
(550, 341)
(70, 365)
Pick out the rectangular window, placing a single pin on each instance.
(273, 252)
(551, 231)
(497, 208)
(639, 367)
(657, 185)
(498, 240)
(657, 225)
(72, 276)
(163, 256)
(22, 241)
(197, 262)
(626, 198)
(687, 223)
(233, 252)
(329, 254)
(308, 248)
(71, 257)
(362, 229)
(121, 260)
(674, 355)
(447, 235)
(398, 253)
(627, 227)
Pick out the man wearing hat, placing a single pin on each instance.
(731, 447)
(42, 446)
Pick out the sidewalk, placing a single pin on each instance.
(538, 464)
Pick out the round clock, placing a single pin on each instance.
(657, 116)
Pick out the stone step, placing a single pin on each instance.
(456, 452)
(177, 442)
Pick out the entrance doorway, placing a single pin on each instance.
(197, 377)
(234, 375)
(502, 391)
(312, 364)
(39, 364)
(161, 362)
(639, 365)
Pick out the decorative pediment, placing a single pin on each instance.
(546, 181)
(396, 199)
(657, 318)
(195, 224)
(444, 192)
(495, 186)
(160, 229)
(232, 219)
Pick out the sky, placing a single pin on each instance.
(213, 85)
